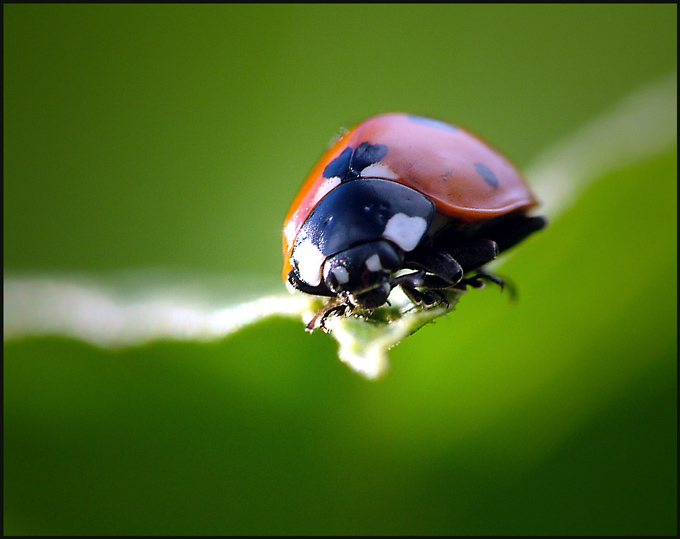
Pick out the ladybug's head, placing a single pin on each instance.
(362, 274)
(356, 238)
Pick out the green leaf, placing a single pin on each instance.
(643, 125)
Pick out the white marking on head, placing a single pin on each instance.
(309, 261)
(405, 231)
(377, 170)
(373, 263)
(341, 275)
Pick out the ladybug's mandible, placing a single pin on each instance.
(402, 200)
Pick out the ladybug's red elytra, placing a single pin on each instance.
(403, 200)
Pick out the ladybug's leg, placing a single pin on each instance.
(443, 269)
(332, 309)
(429, 298)
(474, 253)
(477, 281)
(480, 278)
(439, 270)
(337, 310)
(410, 282)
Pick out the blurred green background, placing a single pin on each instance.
(175, 137)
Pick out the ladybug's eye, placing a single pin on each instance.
(363, 267)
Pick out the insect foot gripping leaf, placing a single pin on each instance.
(365, 338)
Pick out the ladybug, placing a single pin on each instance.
(408, 201)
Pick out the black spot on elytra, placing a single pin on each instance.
(340, 165)
(366, 154)
(486, 173)
(349, 164)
